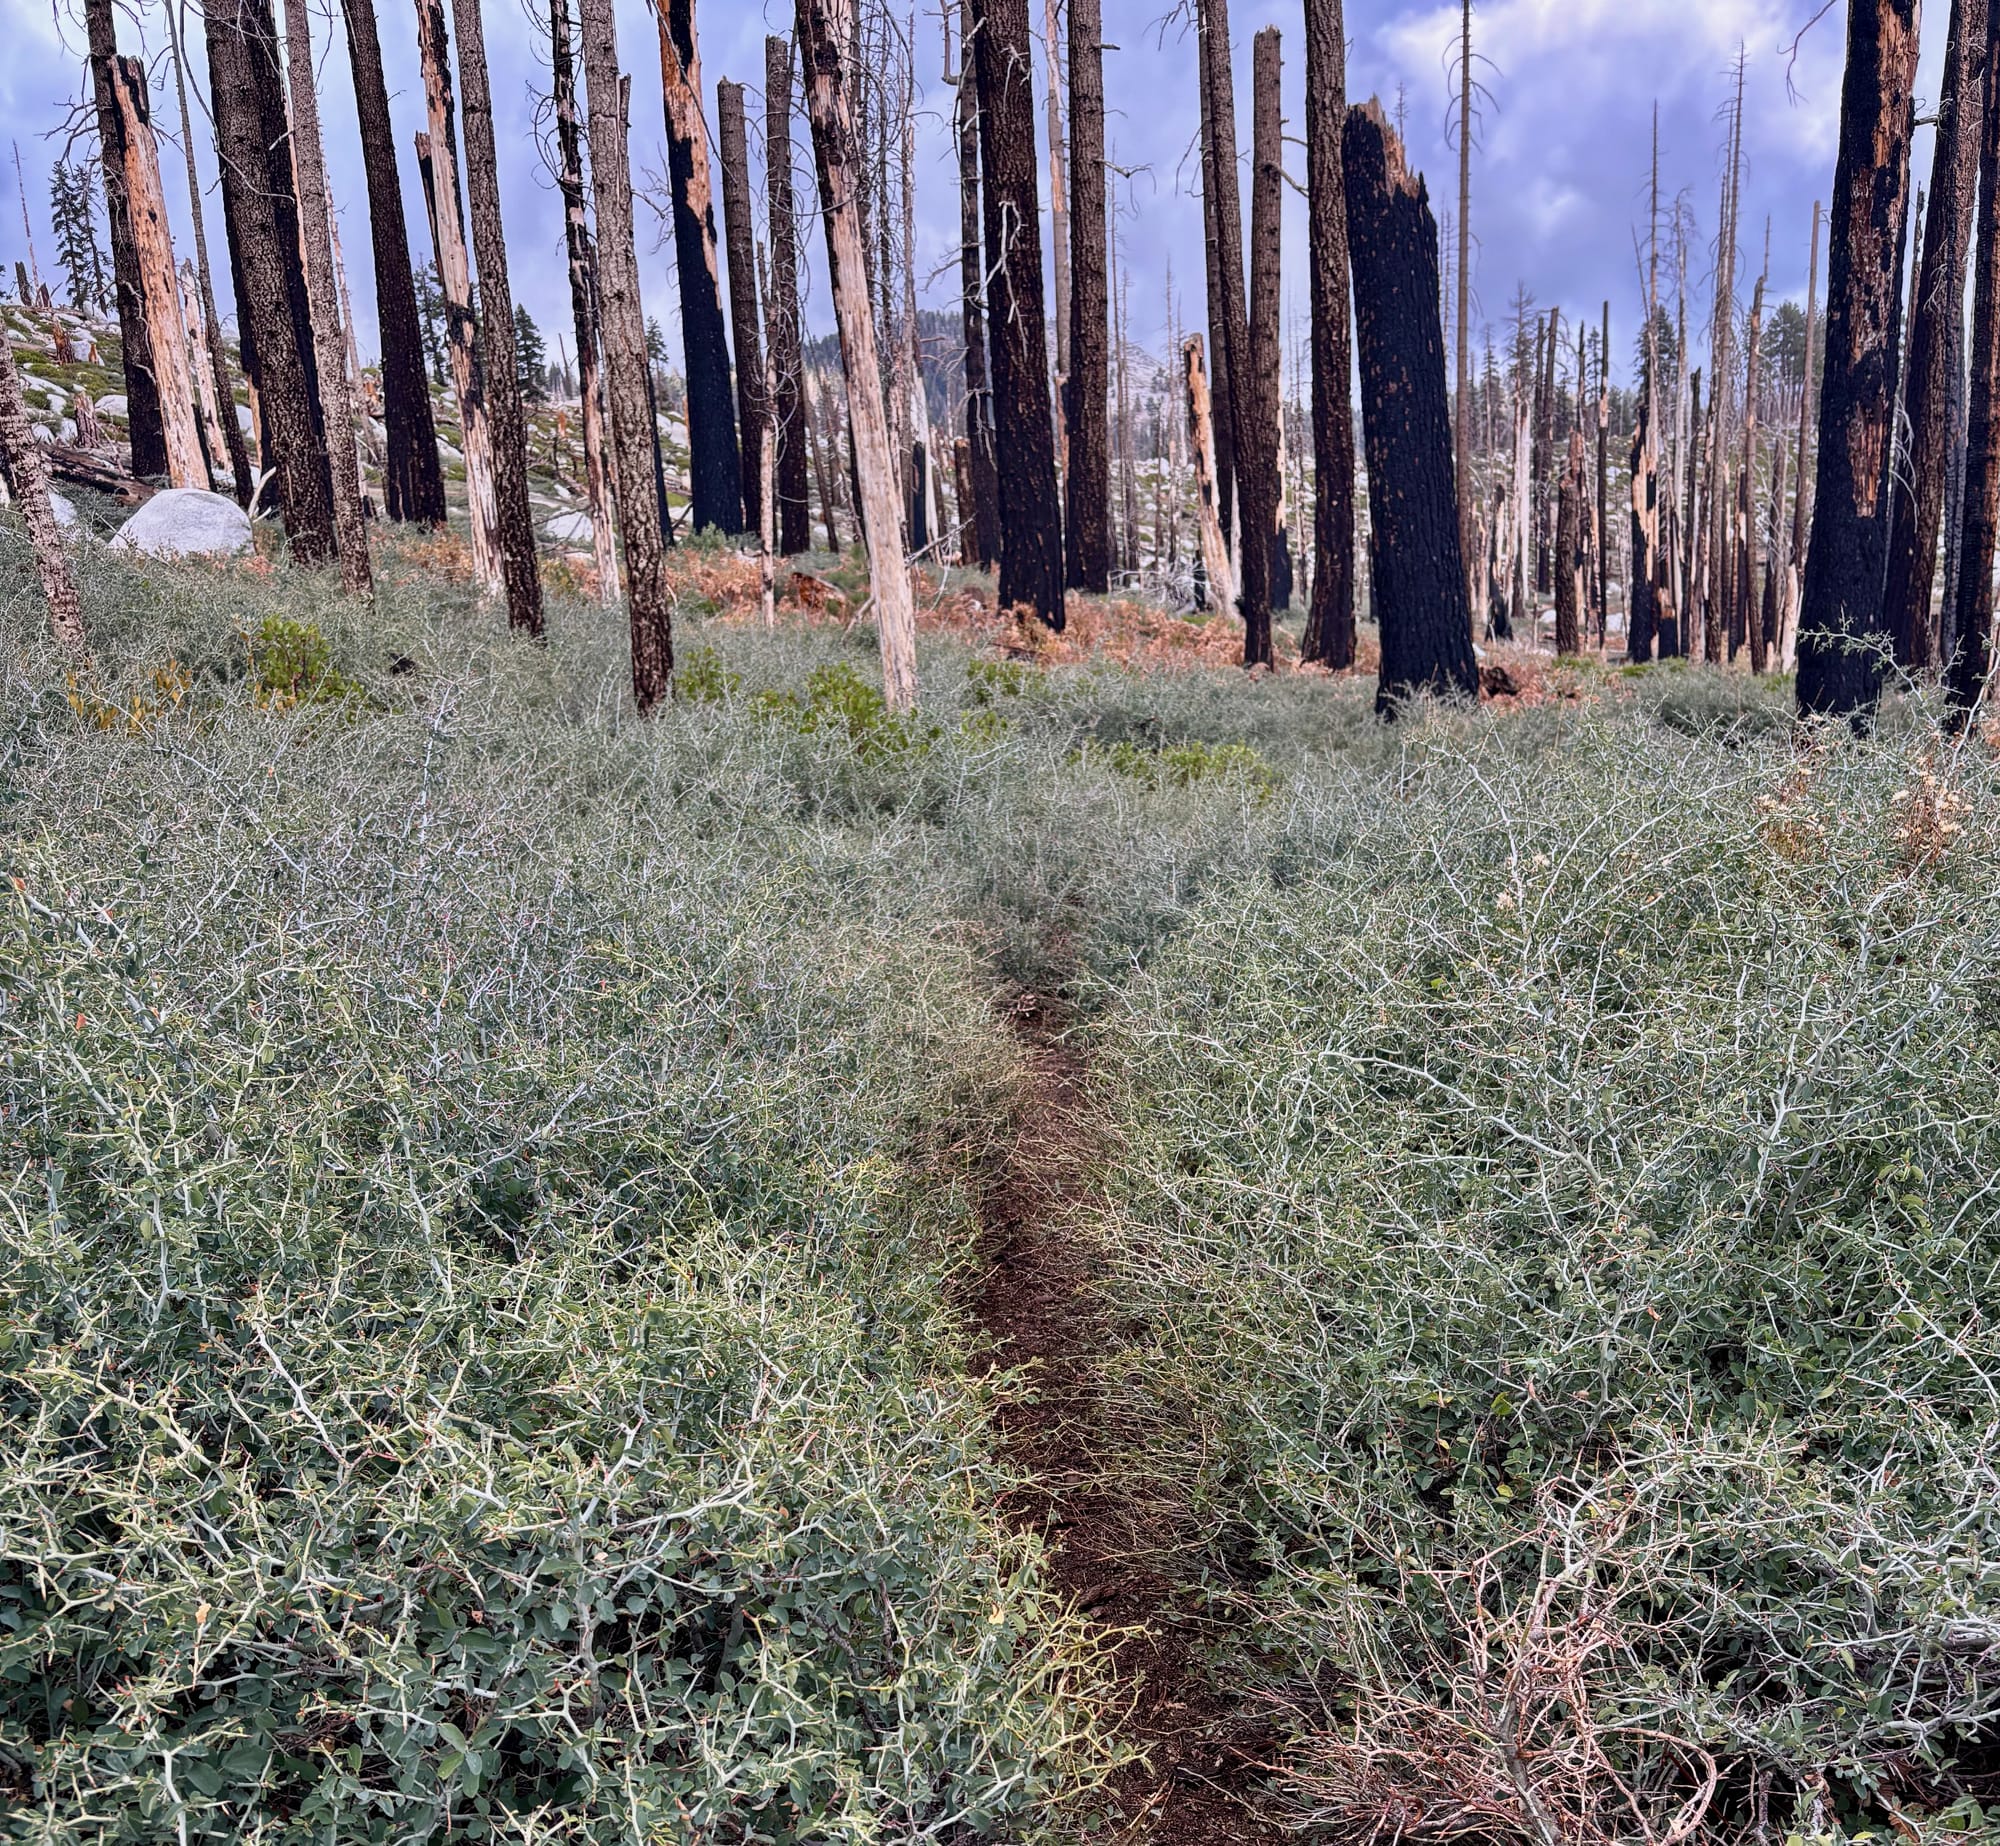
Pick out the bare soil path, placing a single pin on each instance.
(1198, 1780)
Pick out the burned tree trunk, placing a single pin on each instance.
(623, 319)
(826, 34)
(267, 244)
(1747, 620)
(1788, 617)
(26, 466)
(350, 529)
(715, 477)
(508, 425)
(1840, 617)
(1211, 245)
(1266, 535)
(437, 160)
(984, 513)
(1936, 343)
(412, 478)
(1031, 548)
(782, 311)
(1215, 567)
(1088, 388)
(142, 394)
(1972, 615)
(1329, 636)
(1570, 550)
(1256, 456)
(211, 350)
(1416, 570)
(741, 235)
(582, 302)
(159, 280)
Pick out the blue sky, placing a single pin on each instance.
(1559, 174)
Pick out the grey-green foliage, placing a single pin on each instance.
(1558, 1203)
(479, 1353)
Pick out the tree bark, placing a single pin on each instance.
(1059, 227)
(983, 530)
(1788, 621)
(142, 394)
(583, 304)
(1211, 245)
(29, 471)
(1256, 455)
(350, 530)
(1462, 292)
(715, 476)
(437, 161)
(1972, 614)
(1416, 570)
(826, 41)
(520, 570)
(202, 369)
(1031, 546)
(1570, 550)
(1840, 617)
(158, 278)
(1087, 526)
(1215, 567)
(1331, 623)
(1748, 619)
(213, 353)
(623, 319)
(1936, 345)
(412, 476)
(1261, 465)
(740, 233)
(267, 243)
(782, 311)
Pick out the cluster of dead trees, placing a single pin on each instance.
(1755, 523)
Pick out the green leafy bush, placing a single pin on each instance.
(291, 664)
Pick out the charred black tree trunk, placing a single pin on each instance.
(1936, 344)
(144, 422)
(733, 144)
(413, 480)
(1571, 550)
(1415, 565)
(782, 313)
(1329, 636)
(982, 519)
(496, 327)
(1972, 616)
(1087, 394)
(1218, 358)
(1256, 470)
(1031, 548)
(715, 477)
(1840, 612)
(267, 241)
(1259, 456)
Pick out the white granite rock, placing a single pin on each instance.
(184, 522)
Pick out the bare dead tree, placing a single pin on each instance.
(826, 37)
(1031, 547)
(1788, 623)
(782, 324)
(1217, 575)
(1267, 181)
(983, 529)
(1417, 573)
(28, 469)
(622, 316)
(1329, 636)
(1087, 387)
(1840, 615)
(740, 238)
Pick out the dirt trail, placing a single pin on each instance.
(1199, 1781)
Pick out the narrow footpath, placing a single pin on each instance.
(1199, 1777)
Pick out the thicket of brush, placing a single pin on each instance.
(1557, 1224)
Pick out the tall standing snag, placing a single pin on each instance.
(350, 530)
(1972, 615)
(264, 238)
(1031, 547)
(1936, 344)
(1215, 566)
(518, 565)
(741, 236)
(1087, 527)
(1263, 532)
(25, 463)
(1329, 636)
(623, 317)
(1416, 569)
(412, 476)
(781, 312)
(1840, 614)
(715, 474)
(982, 469)
(826, 32)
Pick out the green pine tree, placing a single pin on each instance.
(430, 316)
(531, 357)
(73, 211)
